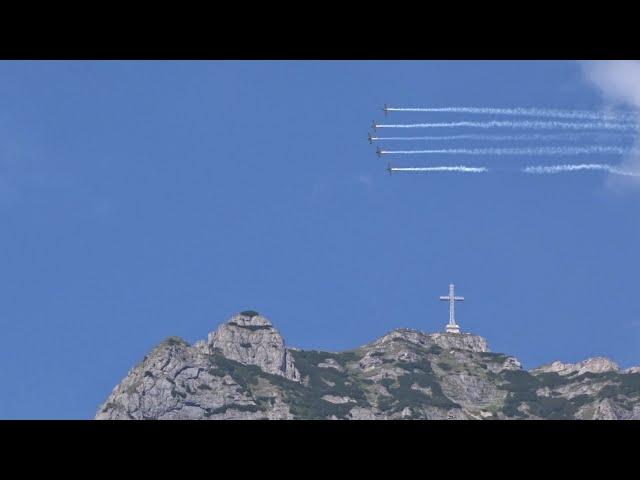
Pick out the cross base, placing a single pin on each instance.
(453, 328)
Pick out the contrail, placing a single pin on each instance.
(528, 112)
(533, 125)
(459, 168)
(526, 136)
(574, 168)
(517, 151)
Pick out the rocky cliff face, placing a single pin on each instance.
(245, 371)
(251, 339)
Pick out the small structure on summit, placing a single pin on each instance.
(452, 326)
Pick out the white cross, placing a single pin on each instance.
(452, 327)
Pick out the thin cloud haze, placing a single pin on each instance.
(619, 83)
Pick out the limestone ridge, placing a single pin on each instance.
(244, 371)
(251, 339)
(591, 365)
(463, 341)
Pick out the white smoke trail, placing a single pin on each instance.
(517, 151)
(523, 137)
(540, 170)
(529, 112)
(533, 125)
(593, 149)
(459, 168)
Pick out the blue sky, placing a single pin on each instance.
(140, 200)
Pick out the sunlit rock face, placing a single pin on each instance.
(591, 365)
(252, 340)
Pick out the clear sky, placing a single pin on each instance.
(140, 200)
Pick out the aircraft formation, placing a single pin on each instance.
(379, 152)
(535, 128)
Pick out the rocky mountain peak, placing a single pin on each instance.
(590, 365)
(243, 370)
(251, 339)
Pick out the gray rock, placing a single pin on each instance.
(359, 413)
(591, 365)
(509, 363)
(512, 363)
(471, 391)
(462, 341)
(176, 381)
(408, 335)
(252, 340)
(331, 363)
(336, 399)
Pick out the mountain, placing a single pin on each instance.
(245, 371)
